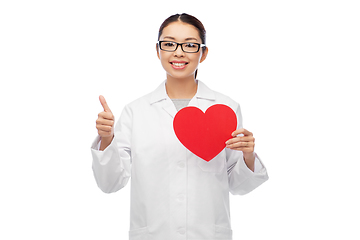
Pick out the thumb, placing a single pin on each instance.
(104, 104)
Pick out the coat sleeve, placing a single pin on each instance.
(112, 167)
(241, 179)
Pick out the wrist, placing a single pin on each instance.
(249, 159)
(107, 139)
(105, 142)
(249, 156)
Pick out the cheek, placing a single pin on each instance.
(164, 58)
(195, 58)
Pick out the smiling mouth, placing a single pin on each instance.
(178, 64)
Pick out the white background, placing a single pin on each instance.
(292, 65)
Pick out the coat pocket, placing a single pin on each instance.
(215, 165)
(223, 232)
(139, 234)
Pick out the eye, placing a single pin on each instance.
(191, 45)
(169, 44)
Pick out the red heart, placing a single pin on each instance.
(205, 134)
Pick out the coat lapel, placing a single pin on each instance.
(203, 98)
(159, 96)
(169, 107)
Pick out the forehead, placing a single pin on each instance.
(180, 31)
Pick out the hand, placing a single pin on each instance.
(245, 142)
(105, 121)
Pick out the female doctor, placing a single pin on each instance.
(174, 193)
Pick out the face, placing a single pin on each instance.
(179, 64)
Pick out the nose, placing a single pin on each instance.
(178, 51)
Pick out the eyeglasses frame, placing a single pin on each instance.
(200, 45)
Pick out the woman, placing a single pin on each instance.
(174, 193)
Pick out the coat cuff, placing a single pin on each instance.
(258, 166)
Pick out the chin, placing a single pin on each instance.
(182, 76)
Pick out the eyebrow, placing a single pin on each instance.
(186, 39)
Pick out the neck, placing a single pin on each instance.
(181, 88)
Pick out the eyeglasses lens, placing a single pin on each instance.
(187, 47)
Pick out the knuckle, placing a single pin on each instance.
(108, 115)
(103, 134)
(101, 115)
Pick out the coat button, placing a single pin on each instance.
(181, 164)
(182, 231)
(181, 198)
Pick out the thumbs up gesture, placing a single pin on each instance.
(105, 121)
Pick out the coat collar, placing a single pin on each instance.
(203, 93)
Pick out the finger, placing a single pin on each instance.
(106, 122)
(244, 149)
(104, 128)
(240, 139)
(241, 145)
(104, 104)
(106, 115)
(241, 131)
(104, 134)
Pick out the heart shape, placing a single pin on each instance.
(205, 134)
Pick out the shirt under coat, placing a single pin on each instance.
(174, 194)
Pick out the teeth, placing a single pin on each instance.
(178, 64)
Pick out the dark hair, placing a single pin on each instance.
(186, 18)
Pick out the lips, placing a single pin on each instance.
(178, 64)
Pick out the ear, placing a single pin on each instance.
(204, 54)
(157, 50)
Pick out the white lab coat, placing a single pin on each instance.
(174, 194)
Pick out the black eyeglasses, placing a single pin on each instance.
(186, 47)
